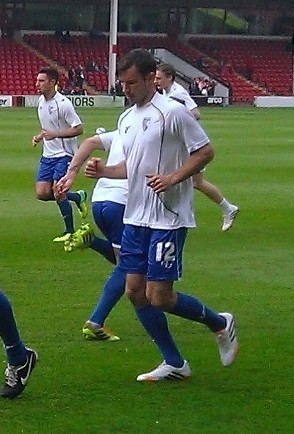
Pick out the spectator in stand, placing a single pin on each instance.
(66, 37)
(172, 25)
(201, 85)
(165, 80)
(76, 90)
(204, 91)
(72, 76)
(211, 87)
(118, 88)
(80, 76)
(92, 66)
(194, 87)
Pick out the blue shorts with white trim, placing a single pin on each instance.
(108, 217)
(156, 253)
(52, 169)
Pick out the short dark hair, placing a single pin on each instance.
(51, 73)
(167, 69)
(142, 59)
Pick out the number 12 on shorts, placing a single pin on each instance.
(165, 252)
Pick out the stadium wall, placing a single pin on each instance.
(6, 101)
(100, 101)
(274, 101)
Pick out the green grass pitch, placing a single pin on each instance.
(89, 387)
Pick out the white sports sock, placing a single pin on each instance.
(225, 205)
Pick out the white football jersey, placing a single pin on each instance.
(179, 93)
(58, 114)
(114, 190)
(157, 139)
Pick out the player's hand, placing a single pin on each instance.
(64, 184)
(94, 168)
(36, 139)
(158, 183)
(58, 195)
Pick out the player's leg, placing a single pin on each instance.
(44, 191)
(63, 203)
(212, 192)
(79, 197)
(66, 212)
(165, 269)
(209, 189)
(155, 323)
(21, 360)
(113, 290)
(14, 347)
(153, 320)
(44, 180)
(49, 171)
(44, 185)
(221, 324)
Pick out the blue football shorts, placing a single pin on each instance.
(108, 217)
(156, 253)
(52, 169)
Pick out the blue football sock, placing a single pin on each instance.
(74, 197)
(14, 347)
(104, 247)
(66, 212)
(155, 323)
(112, 292)
(190, 307)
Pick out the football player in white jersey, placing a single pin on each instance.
(163, 147)
(60, 126)
(108, 204)
(21, 360)
(165, 81)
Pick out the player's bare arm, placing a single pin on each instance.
(95, 168)
(193, 164)
(84, 151)
(65, 134)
